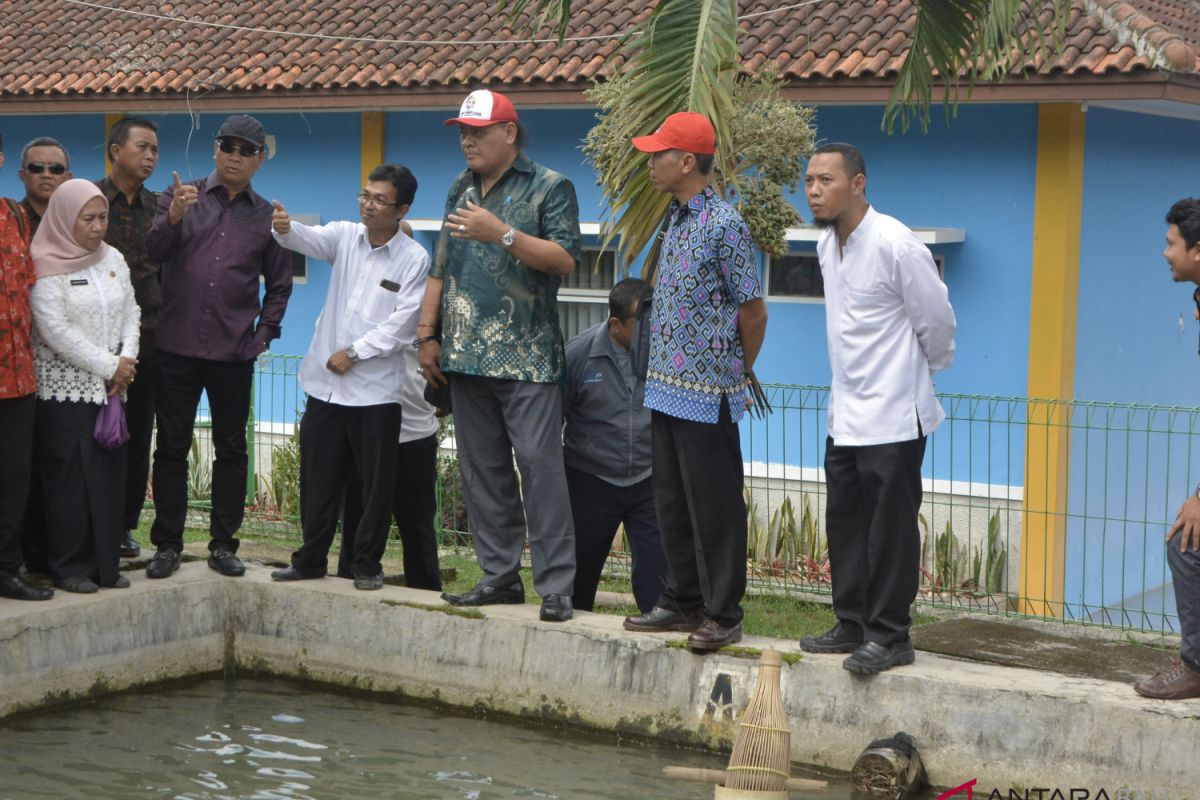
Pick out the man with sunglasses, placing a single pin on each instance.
(1181, 680)
(213, 240)
(45, 166)
(354, 374)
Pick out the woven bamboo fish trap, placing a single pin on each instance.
(761, 758)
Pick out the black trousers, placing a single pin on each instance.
(874, 495)
(335, 442)
(180, 381)
(34, 547)
(414, 505)
(83, 484)
(139, 416)
(702, 512)
(16, 472)
(598, 508)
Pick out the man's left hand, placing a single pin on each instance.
(477, 223)
(339, 363)
(1187, 525)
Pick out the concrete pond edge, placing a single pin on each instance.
(1008, 728)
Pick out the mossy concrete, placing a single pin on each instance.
(1002, 725)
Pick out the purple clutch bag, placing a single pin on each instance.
(111, 431)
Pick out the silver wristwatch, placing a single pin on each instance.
(509, 237)
(351, 353)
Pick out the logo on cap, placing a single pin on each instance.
(484, 107)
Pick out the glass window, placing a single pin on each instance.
(797, 276)
(583, 295)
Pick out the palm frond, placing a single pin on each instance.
(971, 38)
(555, 13)
(683, 57)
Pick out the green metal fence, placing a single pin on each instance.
(1032, 507)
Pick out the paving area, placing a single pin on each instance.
(1017, 644)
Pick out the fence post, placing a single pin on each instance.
(251, 460)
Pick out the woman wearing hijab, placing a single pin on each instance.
(85, 325)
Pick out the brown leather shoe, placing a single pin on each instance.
(1176, 682)
(662, 620)
(711, 636)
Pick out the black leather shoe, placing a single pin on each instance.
(226, 563)
(122, 582)
(292, 574)
(661, 620)
(711, 636)
(129, 546)
(77, 585)
(164, 563)
(368, 583)
(16, 589)
(486, 595)
(556, 608)
(873, 657)
(838, 639)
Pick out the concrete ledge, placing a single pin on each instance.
(1001, 725)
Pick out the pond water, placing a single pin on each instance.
(261, 739)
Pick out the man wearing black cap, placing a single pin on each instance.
(511, 232)
(213, 240)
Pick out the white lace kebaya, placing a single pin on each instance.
(83, 321)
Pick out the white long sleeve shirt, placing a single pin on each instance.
(890, 327)
(83, 321)
(373, 302)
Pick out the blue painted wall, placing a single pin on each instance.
(1136, 343)
(976, 174)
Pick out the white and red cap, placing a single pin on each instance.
(484, 107)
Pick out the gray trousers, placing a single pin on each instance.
(494, 420)
(1185, 574)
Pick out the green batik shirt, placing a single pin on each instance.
(500, 317)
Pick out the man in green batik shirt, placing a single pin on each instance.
(490, 320)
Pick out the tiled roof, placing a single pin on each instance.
(149, 48)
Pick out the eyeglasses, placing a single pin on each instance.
(38, 167)
(374, 200)
(246, 150)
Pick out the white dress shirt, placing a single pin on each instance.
(373, 302)
(890, 327)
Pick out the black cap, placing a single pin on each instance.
(241, 126)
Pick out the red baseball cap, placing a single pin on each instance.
(484, 107)
(686, 131)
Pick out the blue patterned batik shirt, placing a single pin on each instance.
(707, 270)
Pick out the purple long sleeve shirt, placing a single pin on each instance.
(211, 262)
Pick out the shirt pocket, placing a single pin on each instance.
(380, 300)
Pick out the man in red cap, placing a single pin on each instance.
(490, 320)
(707, 326)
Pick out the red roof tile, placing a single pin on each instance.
(59, 48)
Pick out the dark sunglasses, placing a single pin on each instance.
(38, 167)
(246, 150)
